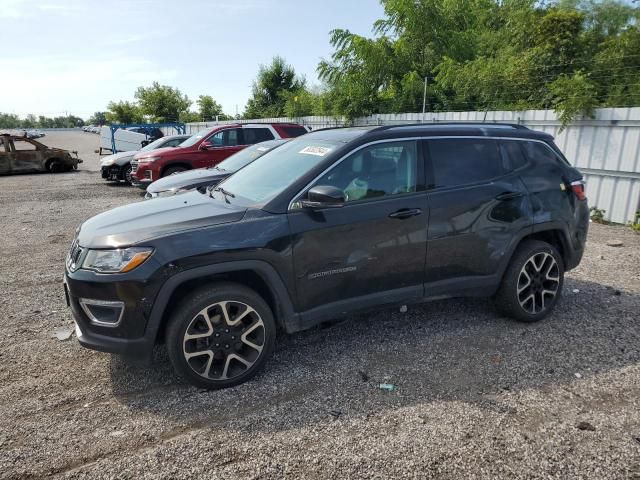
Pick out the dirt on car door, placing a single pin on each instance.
(5, 162)
(25, 156)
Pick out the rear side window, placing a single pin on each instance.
(293, 131)
(463, 161)
(512, 155)
(540, 153)
(257, 135)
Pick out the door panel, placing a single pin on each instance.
(224, 144)
(471, 226)
(375, 244)
(358, 249)
(5, 162)
(25, 157)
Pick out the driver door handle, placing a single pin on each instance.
(405, 213)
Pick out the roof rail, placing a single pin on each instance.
(459, 124)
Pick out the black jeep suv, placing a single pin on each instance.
(332, 222)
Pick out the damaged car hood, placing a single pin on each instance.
(120, 157)
(135, 223)
(188, 179)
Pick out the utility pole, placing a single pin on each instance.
(424, 100)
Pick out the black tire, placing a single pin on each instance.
(528, 302)
(211, 368)
(172, 170)
(126, 173)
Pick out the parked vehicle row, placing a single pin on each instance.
(117, 167)
(332, 222)
(201, 178)
(207, 149)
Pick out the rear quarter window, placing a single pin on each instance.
(540, 153)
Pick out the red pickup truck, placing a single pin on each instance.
(206, 149)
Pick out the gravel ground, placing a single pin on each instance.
(477, 395)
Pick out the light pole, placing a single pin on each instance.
(424, 99)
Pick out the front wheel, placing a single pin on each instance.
(172, 170)
(127, 173)
(532, 284)
(220, 336)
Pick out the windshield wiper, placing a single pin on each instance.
(225, 193)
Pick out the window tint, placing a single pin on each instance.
(463, 161)
(226, 138)
(512, 156)
(539, 153)
(257, 135)
(376, 171)
(292, 131)
(174, 142)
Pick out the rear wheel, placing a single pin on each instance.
(220, 336)
(172, 170)
(532, 284)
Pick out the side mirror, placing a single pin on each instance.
(205, 146)
(323, 196)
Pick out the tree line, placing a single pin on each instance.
(568, 55)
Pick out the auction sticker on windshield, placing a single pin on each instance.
(319, 151)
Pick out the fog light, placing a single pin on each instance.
(148, 174)
(105, 313)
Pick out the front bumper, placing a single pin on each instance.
(127, 334)
(141, 174)
(111, 172)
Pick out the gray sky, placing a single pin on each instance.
(74, 56)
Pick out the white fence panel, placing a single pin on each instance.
(606, 148)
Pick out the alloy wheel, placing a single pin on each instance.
(538, 282)
(224, 340)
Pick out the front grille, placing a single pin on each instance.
(74, 256)
(134, 166)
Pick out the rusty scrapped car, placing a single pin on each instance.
(23, 155)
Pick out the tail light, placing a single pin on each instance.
(578, 189)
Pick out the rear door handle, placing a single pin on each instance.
(405, 213)
(509, 195)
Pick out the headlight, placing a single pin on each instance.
(147, 159)
(120, 260)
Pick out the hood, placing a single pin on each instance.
(117, 158)
(137, 222)
(157, 152)
(188, 179)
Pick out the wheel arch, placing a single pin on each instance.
(257, 275)
(166, 167)
(49, 161)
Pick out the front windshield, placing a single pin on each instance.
(277, 169)
(247, 155)
(195, 138)
(153, 145)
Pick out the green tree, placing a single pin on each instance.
(269, 90)
(98, 118)
(209, 109)
(124, 112)
(162, 103)
(570, 55)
